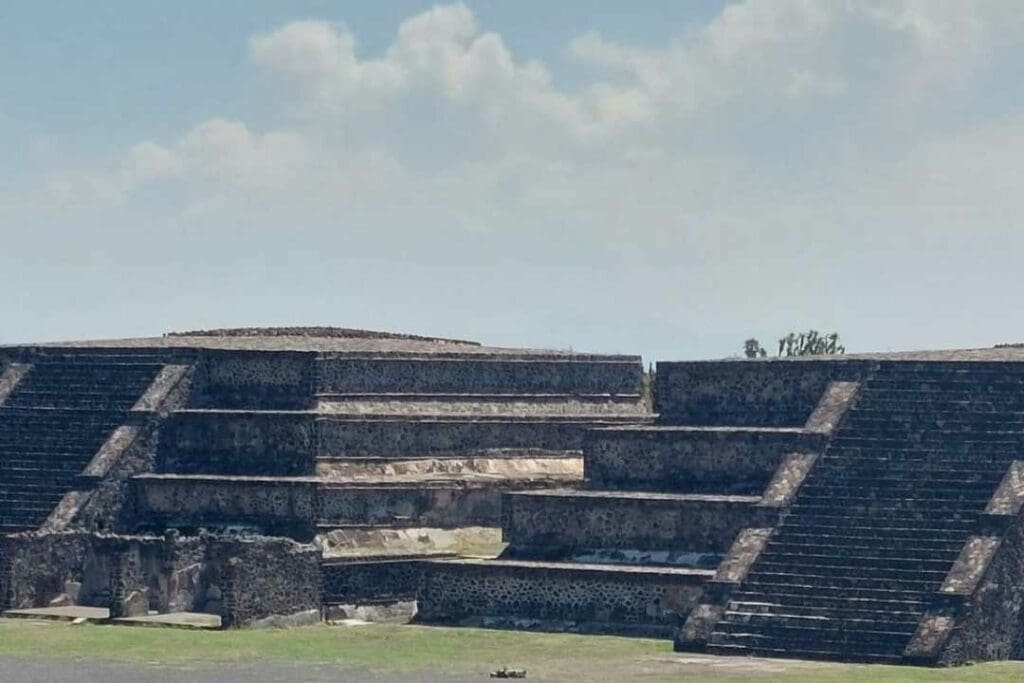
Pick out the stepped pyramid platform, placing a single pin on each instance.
(660, 510)
(863, 508)
(372, 450)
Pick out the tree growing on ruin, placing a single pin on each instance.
(753, 349)
(810, 343)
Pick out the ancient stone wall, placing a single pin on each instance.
(715, 461)
(250, 443)
(240, 578)
(404, 438)
(183, 584)
(244, 379)
(193, 501)
(474, 376)
(647, 521)
(376, 581)
(454, 505)
(294, 506)
(260, 577)
(41, 567)
(6, 571)
(765, 393)
(645, 602)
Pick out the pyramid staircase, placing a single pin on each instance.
(862, 566)
(633, 551)
(55, 420)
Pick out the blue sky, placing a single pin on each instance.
(668, 179)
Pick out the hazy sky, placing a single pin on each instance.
(666, 178)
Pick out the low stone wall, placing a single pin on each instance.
(648, 521)
(590, 598)
(186, 501)
(395, 438)
(242, 443)
(726, 460)
(254, 379)
(241, 579)
(260, 577)
(6, 572)
(371, 581)
(439, 505)
(44, 567)
(295, 506)
(762, 393)
(346, 375)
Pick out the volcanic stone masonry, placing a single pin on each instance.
(861, 508)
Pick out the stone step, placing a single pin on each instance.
(33, 501)
(845, 501)
(887, 601)
(795, 543)
(936, 443)
(78, 360)
(973, 379)
(721, 646)
(15, 418)
(15, 466)
(890, 469)
(886, 471)
(902, 485)
(829, 570)
(884, 622)
(840, 520)
(862, 537)
(872, 413)
(567, 519)
(775, 589)
(936, 429)
(838, 631)
(37, 480)
(875, 646)
(989, 441)
(763, 575)
(899, 486)
(940, 394)
(970, 368)
(846, 611)
(867, 556)
(871, 565)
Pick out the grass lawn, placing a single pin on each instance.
(389, 648)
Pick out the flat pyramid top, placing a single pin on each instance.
(319, 332)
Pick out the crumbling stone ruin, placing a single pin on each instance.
(860, 508)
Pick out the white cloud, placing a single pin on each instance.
(450, 97)
(441, 51)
